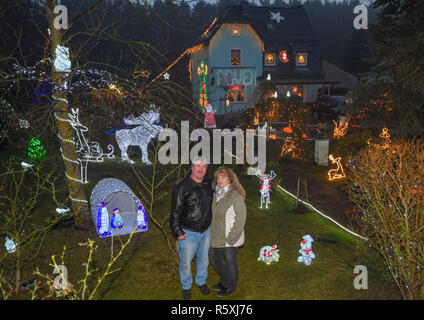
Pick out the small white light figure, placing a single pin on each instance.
(288, 94)
(268, 77)
(10, 245)
(62, 62)
(62, 211)
(269, 254)
(141, 218)
(275, 94)
(306, 250)
(265, 180)
(26, 166)
(103, 221)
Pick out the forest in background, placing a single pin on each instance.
(172, 26)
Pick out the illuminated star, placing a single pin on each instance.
(166, 76)
(276, 16)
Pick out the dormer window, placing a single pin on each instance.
(302, 59)
(235, 58)
(269, 26)
(270, 59)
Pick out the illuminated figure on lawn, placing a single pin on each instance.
(265, 180)
(140, 136)
(269, 254)
(337, 173)
(117, 221)
(306, 250)
(209, 121)
(141, 218)
(103, 221)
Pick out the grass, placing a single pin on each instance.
(148, 270)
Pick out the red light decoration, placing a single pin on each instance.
(283, 56)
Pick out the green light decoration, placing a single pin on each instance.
(36, 149)
(202, 71)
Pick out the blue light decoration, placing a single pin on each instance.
(102, 221)
(117, 221)
(10, 245)
(141, 218)
(306, 250)
(269, 254)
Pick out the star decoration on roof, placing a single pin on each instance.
(166, 76)
(276, 16)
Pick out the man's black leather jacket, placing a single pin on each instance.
(191, 206)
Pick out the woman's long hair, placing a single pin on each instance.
(234, 181)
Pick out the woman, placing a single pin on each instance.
(227, 229)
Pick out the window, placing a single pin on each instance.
(235, 93)
(235, 59)
(270, 59)
(301, 59)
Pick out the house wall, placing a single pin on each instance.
(217, 57)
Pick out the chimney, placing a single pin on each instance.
(244, 7)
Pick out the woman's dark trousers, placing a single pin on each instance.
(224, 261)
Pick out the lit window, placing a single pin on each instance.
(302, 59)
(235, 93)
(235, 57)
(270, 59)
(236, 31)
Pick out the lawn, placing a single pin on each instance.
(148, 270)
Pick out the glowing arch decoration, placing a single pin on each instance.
(116, 210)
(337, 173)
(283, 56)
(202, 71)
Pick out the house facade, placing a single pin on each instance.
(245, 45)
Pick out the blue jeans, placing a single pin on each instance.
(195, 244)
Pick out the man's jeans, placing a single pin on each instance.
(197, 244)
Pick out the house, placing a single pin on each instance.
(245, 45)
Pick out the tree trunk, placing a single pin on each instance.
(65, 130)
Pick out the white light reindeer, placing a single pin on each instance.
(140, 136)
(86, 151)
(265, 180)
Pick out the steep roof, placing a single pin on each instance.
(293, 27)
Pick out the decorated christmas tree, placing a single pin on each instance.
(36, 149)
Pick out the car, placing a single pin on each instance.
(329, 106)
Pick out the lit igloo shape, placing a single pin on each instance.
(115, 194)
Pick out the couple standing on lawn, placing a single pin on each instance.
(208, 218)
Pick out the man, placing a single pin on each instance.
(190, 219)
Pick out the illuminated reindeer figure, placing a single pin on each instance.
(140, 136)
(265, 180)
(87, 152)
(337, 173)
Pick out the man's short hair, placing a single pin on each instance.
(195, 160)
